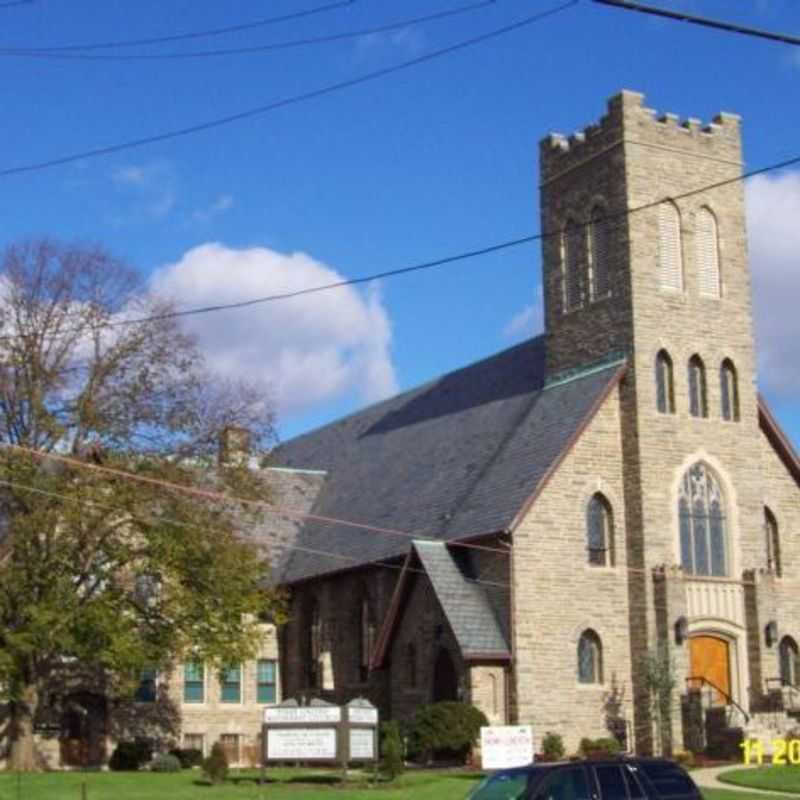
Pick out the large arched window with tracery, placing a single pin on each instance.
(789, 658)
(701, 511)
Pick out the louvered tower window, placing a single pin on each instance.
(707, 254)
(698, 397)
(598, 238)
(571, 246)
(670, 269)
(729, 391)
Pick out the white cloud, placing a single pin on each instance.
(223, 203)
(304, 351)
(148, 191)
(527, 322)
(773, 211)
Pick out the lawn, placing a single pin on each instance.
(188, 786)
(778, 778)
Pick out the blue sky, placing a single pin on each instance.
(424, 163)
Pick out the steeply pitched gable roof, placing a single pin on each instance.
(455, 458)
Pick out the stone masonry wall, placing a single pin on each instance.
(557, 594)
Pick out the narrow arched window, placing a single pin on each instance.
(598, 253)
(701, 514)
(670, 264)
(314, 642)
(590, 658)
(698, 396)
(789, 657)
(665, 387)
(707, 253)
(599, 532)
(571, 261)
(366, 636)
(411, 665)
(729, 391)
(773, 543)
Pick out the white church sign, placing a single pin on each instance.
(505, 746)
(320, 732)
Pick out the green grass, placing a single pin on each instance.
(722, 794)
(187, 785)
(778, 778)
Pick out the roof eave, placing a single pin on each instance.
(778, 439)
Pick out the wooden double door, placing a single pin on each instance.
(710, 658)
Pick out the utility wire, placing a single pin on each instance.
(232, 51)
(707, 22)
(210, 494)
(354, 561)
(287, 101)
(425, 265)
(259, 23)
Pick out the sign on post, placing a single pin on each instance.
(505, 746)
(320, 732)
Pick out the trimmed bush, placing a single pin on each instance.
(215, 767)
(165, 762)
(445, 730)
(553, 747)
(130, 756)
(391, 750)
(188, 756)
(606, 746)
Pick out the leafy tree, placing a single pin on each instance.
(96, 569)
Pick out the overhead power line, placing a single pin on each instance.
(353, 561)
(425, 265)
(177, 37)
(730, 27)
(286, 101)
(231, 51)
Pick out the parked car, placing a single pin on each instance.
(626, 778)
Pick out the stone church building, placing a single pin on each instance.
(558, 531)
(544, 532)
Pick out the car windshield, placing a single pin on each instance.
(510, 785)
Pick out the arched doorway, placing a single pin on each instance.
(83, 730)
(445, 678)
(710, 665)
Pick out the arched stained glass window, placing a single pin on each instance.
(789, 658)
(707, 253)
(598, 239)
(729, 391)
(599, 532)
(665, 388)
(773, 542)
(701, 512)
(670, 264)
(698, 396)
(590, 658)
(571, 260)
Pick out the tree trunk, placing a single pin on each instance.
(22, 757)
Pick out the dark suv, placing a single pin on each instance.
(607, 779)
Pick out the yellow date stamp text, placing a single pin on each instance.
(784, 751)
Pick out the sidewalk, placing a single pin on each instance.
(706, 778)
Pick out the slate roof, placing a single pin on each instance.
(465, 603)
(456, 457)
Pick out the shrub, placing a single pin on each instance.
(445, 730)
(391, 750)
(165, 762)
(130, 756)
(215, 767)
(606, 746)
(553, 747)
(188, 756)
